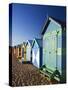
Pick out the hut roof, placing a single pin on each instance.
(29, 41)
(39, 42)
(63, 24)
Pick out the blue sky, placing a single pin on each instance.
(28, 20)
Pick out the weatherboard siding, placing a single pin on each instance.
(52, 47)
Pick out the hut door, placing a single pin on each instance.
(22, 53)
(35, 57)
(28, 53)
(50, 52)
(46, 52)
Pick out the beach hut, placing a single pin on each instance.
(19, 52)
(37, 52)
(24, 52)
(54, 49)
(14, 49)
(28, 50)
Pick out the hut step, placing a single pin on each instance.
(48, 74)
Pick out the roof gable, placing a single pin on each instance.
(30, 42)
(49, 19)
(38, 41)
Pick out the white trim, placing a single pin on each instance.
(54, 21)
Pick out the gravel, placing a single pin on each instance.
(26, 74)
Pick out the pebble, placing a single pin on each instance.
(26, 74)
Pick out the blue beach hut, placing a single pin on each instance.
(24, 52)
(37, 52)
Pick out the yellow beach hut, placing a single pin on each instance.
(23, 52)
